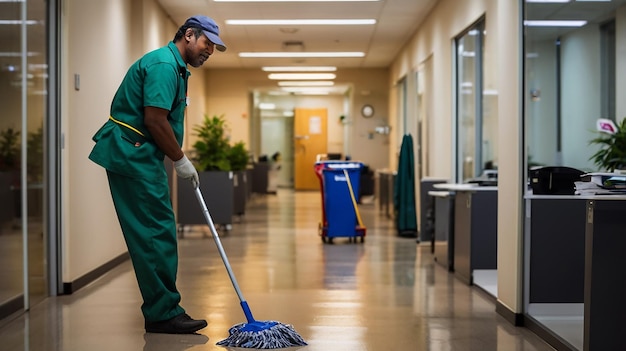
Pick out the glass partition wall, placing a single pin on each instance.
(23, 94)
(476, 123)
(570, 68)
(570, 75)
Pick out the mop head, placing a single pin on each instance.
(262, 335)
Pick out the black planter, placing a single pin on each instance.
(217, 187)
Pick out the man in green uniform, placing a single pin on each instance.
(146, 124)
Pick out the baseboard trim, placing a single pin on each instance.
(80, 282)
(14, 305)
(517, 319)
(548, 336)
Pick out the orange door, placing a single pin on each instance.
(310, 140)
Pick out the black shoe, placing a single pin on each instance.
(181, 324)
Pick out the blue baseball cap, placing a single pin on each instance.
(210, 29)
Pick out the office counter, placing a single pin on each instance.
(605, 284)
(475, 234)
(573, 249)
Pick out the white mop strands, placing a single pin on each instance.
(276, 336)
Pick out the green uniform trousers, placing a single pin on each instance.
(144, 210)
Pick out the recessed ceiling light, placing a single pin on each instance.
(267, 106)
(547, 1)
(300, 54)
(299, 68)
(295, 0)
(532, 23)
(306, 90)
(30, 22)
(317, 83)
(301, 76)
(299, 22)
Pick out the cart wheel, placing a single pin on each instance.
(323, 239)
(330, 240)
(228, 227)
(180, 230)
(362, 239)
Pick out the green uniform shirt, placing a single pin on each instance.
(124, 144)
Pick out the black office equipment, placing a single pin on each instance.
(555, 180)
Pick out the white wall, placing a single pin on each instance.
(434, 40)
(98, 46)
(580, 95)
(541, 111)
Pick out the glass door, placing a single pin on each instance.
(23, 94)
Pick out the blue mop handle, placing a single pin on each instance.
(220, 248)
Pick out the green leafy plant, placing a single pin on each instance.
(612, 153)
(35, 155)
(238, 157)
(212, 151)
(9, 149)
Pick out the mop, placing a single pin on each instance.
(253, 334)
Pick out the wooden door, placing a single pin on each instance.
(310, 140)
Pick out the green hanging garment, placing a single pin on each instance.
(404, 191)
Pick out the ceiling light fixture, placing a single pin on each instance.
(547, 1)
(307, 90)
(301, 76)
(29, 22)
(299, 22)
(532, 23)
(318, 83)
(296, 0)
(299, 68)
(300, 54)
(267, 106)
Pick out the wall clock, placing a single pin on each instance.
(367, 111)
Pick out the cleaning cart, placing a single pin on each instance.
(339, 185)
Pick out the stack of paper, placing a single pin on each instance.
(601, 184)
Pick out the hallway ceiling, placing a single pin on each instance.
(396, 22)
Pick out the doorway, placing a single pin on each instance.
(310, 140)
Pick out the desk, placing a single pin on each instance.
(475, 234)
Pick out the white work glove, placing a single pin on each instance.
(186, 170)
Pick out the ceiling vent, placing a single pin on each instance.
(293, 46)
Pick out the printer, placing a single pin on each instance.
(554, 180)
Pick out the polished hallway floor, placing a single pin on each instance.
(383, 294)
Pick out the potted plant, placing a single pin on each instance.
(9, 150)
(9, 172)
(218, 165)
(612, 141)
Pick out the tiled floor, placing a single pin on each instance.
(383, 294)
